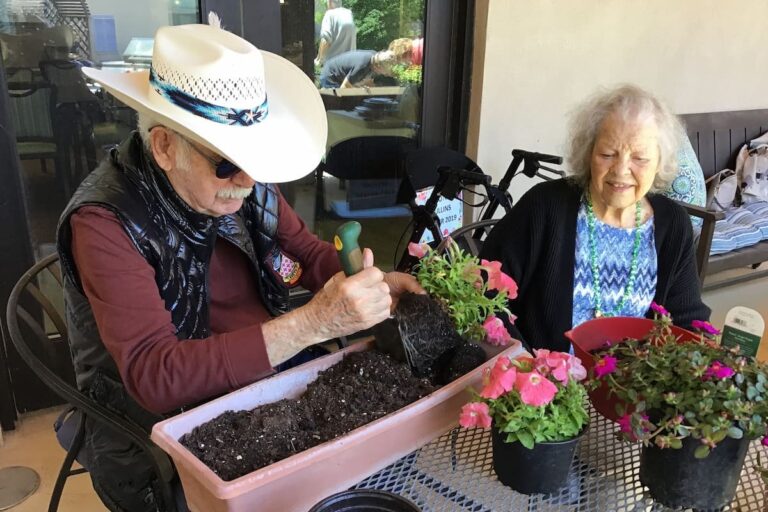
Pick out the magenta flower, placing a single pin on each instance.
(625, 423)
(705, 327)
(605, 366)
(495, 332)
(498, 280)
(475, 414)
(718, 370)
(417, 250)
(658, 308)
(535, 389)
(765, 441)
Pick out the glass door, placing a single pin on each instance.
(366, 58)
(62, 124)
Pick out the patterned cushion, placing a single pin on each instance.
(688, 186)
(734, 232)
(758, 216)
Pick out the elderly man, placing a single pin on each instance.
(178, 253)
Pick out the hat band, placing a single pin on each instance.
(210, 111)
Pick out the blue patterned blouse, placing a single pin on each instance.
(614, 259)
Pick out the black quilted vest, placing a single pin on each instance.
(178, 243)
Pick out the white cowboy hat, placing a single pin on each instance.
(252, 107)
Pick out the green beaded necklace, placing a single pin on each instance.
(629, 288)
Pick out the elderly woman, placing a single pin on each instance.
(602, 242)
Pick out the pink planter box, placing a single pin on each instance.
(300, 481)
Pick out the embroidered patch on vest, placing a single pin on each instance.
(288, 269)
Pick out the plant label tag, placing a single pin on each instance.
(743, 328)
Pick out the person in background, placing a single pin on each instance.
(602, 242)
(338, 33)
(359, 68)
(178, 252)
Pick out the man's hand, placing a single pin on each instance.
(400, 283)
(344, 306)
(347, 305)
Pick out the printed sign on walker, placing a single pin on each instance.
(450, 213)
(743, 328)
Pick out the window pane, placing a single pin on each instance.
(64, 124)
(365, 57)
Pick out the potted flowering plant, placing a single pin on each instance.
(694, 405)
(535, 408)
(438, 332)
(455, 278)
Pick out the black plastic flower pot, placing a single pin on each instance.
(675, 478)
(542, 469)
(365, 500)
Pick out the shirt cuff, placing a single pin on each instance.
(246, 355)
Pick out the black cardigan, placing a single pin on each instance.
(536, 244)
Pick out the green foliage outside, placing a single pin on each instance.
(407, 74)
(379, 22)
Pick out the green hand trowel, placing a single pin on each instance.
(407, 336)
(350, 255)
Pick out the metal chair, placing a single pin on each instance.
(471, 237)
(38, 331)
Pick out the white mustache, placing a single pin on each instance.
(234, 192)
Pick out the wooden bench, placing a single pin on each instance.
(717, 138)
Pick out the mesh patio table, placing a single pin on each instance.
(455, 473)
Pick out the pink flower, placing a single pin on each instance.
(502, 379)
(577, 370)
(535, 389)
(706, 327)
(496, 333)
(555, 363)
(718, 370)
(658, 308)
(605, 366)
(765, 441)
(417, 250)
(498, 280)
(475, 414)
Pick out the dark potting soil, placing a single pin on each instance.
(427, 334)
(364, 386)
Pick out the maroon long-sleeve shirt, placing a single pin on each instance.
(159, 371)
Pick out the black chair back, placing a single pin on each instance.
(421, 169)
(38, 331)
(471, 237)
(374, 167)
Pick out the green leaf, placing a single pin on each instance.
(675, 443)
(526, 439)
(701, 452)
(735, 433)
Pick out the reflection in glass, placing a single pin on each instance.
(366, 57)
(64, 125)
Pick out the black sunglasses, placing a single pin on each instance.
(224, 168)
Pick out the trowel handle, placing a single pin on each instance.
(350, 255)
